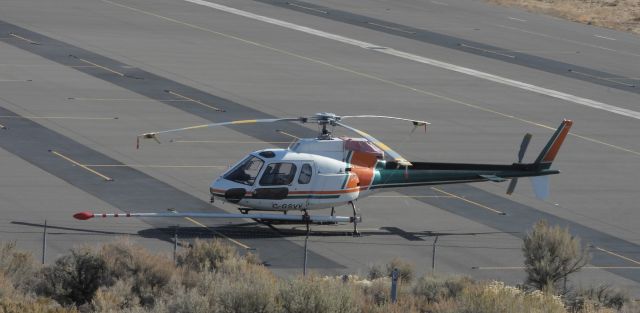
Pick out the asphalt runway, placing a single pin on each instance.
(83, 78)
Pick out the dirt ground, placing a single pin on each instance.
(616, 14)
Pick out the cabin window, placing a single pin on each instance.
(246, 172)
(305, 174)
(278, 174)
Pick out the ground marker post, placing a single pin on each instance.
(44, 242)
(175, 245)
(306, 240)
(394, 285)
(433, 257)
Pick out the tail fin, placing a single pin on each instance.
(550, 151)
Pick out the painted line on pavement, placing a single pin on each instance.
(193, 100)
(604, 37)
(307, 8)
(154, 166)
(107, 178)
(59, 117)
(217, 233)
(24, 39)
(618, 255)
(230, 141)
(102, 67)
(469, 201)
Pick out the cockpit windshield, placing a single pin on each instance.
(245, 172)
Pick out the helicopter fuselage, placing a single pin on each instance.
(310, 174)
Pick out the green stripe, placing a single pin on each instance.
(348, 161)
(314, 197)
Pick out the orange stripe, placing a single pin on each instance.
(362, 164)
(551, 155)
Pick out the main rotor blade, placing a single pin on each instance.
(153, 135)
(415, 122)
(523, 146)
(395, 155)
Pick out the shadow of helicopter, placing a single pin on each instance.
(252, 230)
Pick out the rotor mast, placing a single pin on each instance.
(325, 119)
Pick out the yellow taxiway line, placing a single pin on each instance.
(194, 100)
(60, 117)
(229, 141)
(217, 233)
(410, 196)
(287, 134)
(155, 166)
(127, 99)
(107, 178)
(469, 201)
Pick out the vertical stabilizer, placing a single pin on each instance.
(550, 151)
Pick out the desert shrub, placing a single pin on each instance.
(39, 305)
(252, 258)
(206, 255)
(74, 278)
(597, 297)
(17, 267)
(316, 295)
(405, 269)
(246, 288)
(148, 274)
(115, 298)
(379, 291)
(375, 271)
(551, 254)
(190, 301)
(431, 289)
(495, 297)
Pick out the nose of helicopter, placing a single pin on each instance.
(216, 189)
(220, 188)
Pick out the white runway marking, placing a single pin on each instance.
(605, 37)
(408, 56)
(516, 19)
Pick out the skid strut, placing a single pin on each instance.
(355, 219)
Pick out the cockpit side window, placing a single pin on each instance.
(246, 172)
(278, 174)
(305, 174)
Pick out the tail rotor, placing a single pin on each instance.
(523, 150)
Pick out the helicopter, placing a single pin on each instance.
(326, 172)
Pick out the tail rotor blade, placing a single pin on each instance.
(523, 146)
(512, 185)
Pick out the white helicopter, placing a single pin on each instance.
(327, 172)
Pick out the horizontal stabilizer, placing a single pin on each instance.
(493, 178)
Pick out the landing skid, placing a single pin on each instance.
(305, 219)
